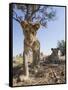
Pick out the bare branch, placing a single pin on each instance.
(26, 12)
(33, 12)
(17, 18)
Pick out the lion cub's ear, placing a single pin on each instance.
(36, 26)
(24, 24)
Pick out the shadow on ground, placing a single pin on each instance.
(48, 73)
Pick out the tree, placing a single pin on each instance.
(41, 53)
(62, 47)
(33, 16)
(34, 13)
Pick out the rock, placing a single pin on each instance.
(18, 80)
(14, 81)
(39, 73)
(62, 73)
(24, 78)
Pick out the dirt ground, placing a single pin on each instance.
(47, 74)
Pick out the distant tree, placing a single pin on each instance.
(41, 53)
(62, 46)
(16, 56)
(20, 55)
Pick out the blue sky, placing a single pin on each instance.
(48, 37)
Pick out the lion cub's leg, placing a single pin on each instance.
(36, 53)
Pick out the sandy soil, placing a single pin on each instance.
(47, 74)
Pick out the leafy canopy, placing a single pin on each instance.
(34, 13)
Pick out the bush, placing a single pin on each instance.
(62, 47)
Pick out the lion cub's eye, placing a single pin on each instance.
(32, 32)
(26, 31)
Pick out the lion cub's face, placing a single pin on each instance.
(30, 30)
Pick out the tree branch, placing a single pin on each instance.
(26, 12)
(33, 12)
(16, 20)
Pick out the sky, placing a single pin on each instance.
(48, 37)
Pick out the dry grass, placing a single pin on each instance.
(46, 74)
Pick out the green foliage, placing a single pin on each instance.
(62, 46)
(34, 13)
